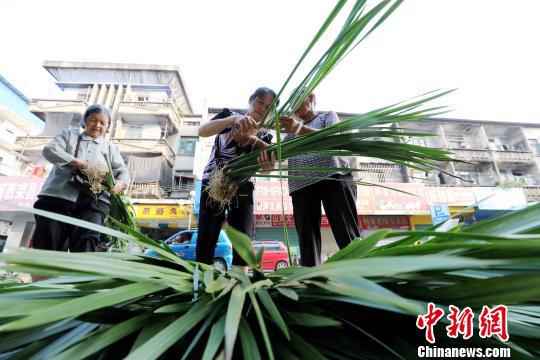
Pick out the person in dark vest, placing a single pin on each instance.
(235, 134)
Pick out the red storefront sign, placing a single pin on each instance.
(364, 221)
(384, 222)
(18, 191)
(277, 220)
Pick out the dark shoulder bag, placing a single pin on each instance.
(78, 179)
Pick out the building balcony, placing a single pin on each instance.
(514, 156)
(126, 146)
(155, 190)
(31, 143)
(471, 155)
(532, 193)
(134, 146)
(57, 105)
(378, 172)
(179, 191)
(187, 125)
(151, 190)
(145, 107)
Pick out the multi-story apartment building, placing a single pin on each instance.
(15, 121)
(491, 153)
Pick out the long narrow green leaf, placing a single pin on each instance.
(161, 248)
(167, 337)
(151, 329)
(26, 337)
(515, 222)
(83, 305)
(242, 244)
(101, 340)
(66, 340)
(372, 267)
(273, 311)
(202, 330)
(215, 339)
(232, 320)
(262, 325)
(307, 350)
(359, 247)
(247, 339)
(311, 320)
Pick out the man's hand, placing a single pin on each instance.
(289, 124)
(267, 160)
(118, 188)
(77, 164)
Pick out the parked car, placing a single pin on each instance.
(275, 254)
(183, 243)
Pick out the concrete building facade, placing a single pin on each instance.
(15, 120)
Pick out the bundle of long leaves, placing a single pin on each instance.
(362, 135)
(368, 135)
(361, 304)
(121, 211)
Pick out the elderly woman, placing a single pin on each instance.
(72, 153)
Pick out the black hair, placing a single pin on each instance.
(261, 92)
(96, 109)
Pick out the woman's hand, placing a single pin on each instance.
(78, 164)
(119, 187)
(289, 124)
(267, 160)
(245, 125)
(244, 130)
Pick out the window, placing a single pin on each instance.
(183, 182)
(82, 96)
(182, 238)
(133, 131)
(186, 146)
(267, 246)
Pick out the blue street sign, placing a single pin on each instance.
(439, 213)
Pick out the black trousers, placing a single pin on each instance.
(338, 199)
(55, 235)
(239, 215)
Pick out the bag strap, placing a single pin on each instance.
(109, 164)
(78, 145)
(217, 143)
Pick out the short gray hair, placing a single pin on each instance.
(96, 109)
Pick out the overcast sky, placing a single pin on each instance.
(488, 49)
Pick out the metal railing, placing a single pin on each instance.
(514, 156)
(471, 155)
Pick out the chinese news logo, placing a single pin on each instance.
(491, 322)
